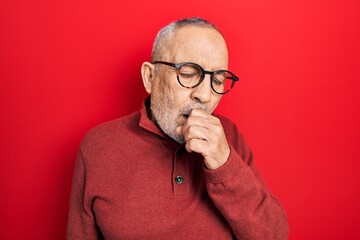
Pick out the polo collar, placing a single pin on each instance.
(146, 123)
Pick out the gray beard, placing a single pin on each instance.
(167, 121)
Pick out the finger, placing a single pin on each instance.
(179, 130)
(207, 127)
(196, 121)
(205, 116)
(195, 132)
(199, 119)
(199, 113)
(199, 127)
(196, 145)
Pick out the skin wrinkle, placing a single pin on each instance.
(169, 122)
(169, 100)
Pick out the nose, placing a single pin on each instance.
(203, 92)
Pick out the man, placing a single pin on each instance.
(174, 170)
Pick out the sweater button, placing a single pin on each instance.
(179, 179)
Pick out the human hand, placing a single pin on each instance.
(204, 134)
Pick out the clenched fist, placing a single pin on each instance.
(204, 134)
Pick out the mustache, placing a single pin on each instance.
(186, 110)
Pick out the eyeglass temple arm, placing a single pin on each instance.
(166, 63)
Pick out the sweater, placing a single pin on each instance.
(131, 181)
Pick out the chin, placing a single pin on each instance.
(176, 137)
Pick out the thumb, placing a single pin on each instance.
(179, 130)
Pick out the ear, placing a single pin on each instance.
(148, 75)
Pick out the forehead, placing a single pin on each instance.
(202, 45)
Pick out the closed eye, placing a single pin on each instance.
(217, 82)
(188, 75)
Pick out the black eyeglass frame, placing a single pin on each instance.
(177, 66)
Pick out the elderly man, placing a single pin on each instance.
(173, 170)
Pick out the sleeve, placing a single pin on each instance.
(240, 194)
(81, 219)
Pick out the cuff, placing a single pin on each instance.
(227, 170)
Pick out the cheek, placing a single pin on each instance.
(182, 97)
(215, 102)
(159, 89)
(176, 93)
(165, 84)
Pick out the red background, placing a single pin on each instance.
(66, 66)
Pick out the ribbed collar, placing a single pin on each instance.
(146, 123)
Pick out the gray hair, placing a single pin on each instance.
(165, 34)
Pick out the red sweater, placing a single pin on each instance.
(133, 182)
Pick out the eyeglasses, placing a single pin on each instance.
(190, 75)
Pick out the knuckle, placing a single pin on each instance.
(191, 130)
(189, 145)
(216, 120)
(190, 121)
(195, 110)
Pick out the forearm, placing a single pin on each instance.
(241, 196)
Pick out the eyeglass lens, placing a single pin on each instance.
(190, 76)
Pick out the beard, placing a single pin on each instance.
(168, 117)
